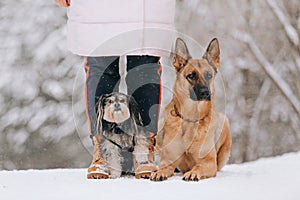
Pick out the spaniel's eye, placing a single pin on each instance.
(208, 75)
(122, 100)
(191, 76)
(109, 101)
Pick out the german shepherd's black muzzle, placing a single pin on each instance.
(200, 93)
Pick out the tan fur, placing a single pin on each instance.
(197, 142)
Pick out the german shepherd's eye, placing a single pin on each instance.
(207, 76)
(192, 76)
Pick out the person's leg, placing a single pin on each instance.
(144, 84)
(102, 75)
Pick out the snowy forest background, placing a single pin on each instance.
(260, 56)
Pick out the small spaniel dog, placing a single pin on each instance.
(125, 143)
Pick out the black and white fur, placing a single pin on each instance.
(120, 125)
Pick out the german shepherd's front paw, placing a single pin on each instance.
(191, 176)
(161, 174)
(158, 176)
(195, 175)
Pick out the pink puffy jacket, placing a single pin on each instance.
(118, 27)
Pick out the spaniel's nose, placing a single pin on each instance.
(117, 107)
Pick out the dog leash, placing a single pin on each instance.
(131, 149)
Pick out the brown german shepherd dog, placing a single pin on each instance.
(195, 138)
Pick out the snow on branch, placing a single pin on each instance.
(289, 29)
(280, 83)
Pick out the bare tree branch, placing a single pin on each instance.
(280, 83)
(252, 152)
(290, 31)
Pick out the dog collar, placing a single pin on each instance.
(116, 129)
(176, 113)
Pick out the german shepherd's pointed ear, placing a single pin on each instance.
(212, 54)
(134, 111)
(182, 54)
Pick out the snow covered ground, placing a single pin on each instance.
(268, 178)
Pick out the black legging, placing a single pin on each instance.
(143, 83)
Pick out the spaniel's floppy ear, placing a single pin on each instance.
(135, 111)
(100, 112)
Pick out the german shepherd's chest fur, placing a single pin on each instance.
(195, 138)
(194, 134)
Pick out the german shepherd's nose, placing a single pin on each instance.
(200, 93)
